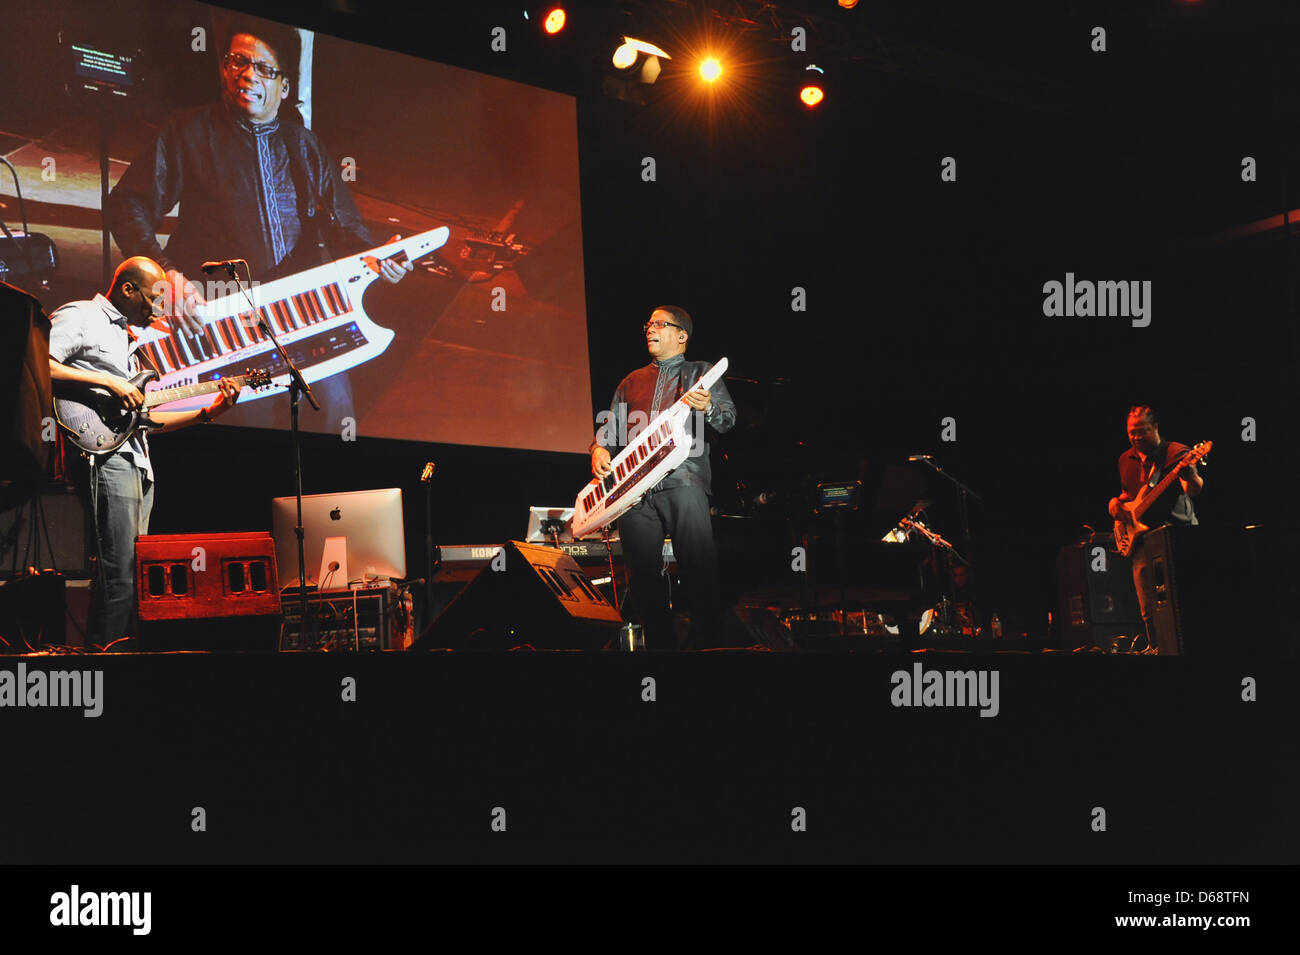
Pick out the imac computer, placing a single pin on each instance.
(369, 521)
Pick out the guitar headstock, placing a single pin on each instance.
(256, 379)
(1199, 452)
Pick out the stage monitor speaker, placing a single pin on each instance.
(527, 595)
(757, 626)
(1217, 591)
(1097, 601)
(207, 591)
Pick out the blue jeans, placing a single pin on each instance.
(119, 502)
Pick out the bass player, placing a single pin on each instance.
(90, 346)
(1144, 464)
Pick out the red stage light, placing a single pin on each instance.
(554, 21)
(811, 95)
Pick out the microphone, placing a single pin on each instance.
(210, 267)
(920, 457)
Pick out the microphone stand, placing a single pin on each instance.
(964, 493)
(297, 387)
(426, 478)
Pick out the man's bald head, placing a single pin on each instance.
(139, 270)
(138, 284)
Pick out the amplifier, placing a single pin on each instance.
(369, 618)
(1221, 591)
(49, 532)
(207, 591)
(1097, 606)
(32, 612)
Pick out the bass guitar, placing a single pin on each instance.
(1129, 526)
(97, 422)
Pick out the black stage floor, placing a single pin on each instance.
(710, 757)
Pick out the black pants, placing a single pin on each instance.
(681, 513)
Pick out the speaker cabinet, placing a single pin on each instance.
(1096, 605)
(51, 526)
(1218, 590)
(25, 393)
(527, 595)
(32, 612)
(207, 591)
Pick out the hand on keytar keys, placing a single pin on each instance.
(388, 269)
(182, 302)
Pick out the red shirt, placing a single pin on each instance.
(1173, 506)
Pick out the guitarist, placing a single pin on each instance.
(90, 345)
(1145, 462)
(678, 506)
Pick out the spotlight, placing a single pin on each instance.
(636, 65)
(632, 52)
(848, 4)
(710, 69)
(625, 56)
(550, 18)
(813, 90)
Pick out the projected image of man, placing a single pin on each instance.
(252, 182)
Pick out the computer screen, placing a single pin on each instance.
(370, 520)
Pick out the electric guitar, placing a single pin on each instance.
(1129, 526)
(97, 422)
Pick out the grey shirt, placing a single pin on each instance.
(91, 335)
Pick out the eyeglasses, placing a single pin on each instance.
(659, 326)
(238, 62)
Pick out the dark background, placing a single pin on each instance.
(924, 302)
(924, 297)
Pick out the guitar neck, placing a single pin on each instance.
(165, 395)
(1167, 480)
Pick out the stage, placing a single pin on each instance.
(632, 757)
